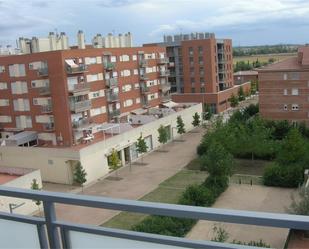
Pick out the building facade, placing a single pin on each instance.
(65, 96)
(245, 76)
(284, 89)
(200, 68)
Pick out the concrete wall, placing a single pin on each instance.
(54, 164)
(94, 157)
(57, 165)
(23, 181)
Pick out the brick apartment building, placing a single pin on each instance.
(201, 69)
(245, 76)
(65, 95)
(284, 89)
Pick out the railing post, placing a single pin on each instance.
(52, 231)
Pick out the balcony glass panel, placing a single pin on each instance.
(86, 240)
(18, 235)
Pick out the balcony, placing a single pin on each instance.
(79, 88)
(49, 127)
(145, 103)
(42, 72)
(171, 64)
(49, 231)
(144, 88)
(108, 66)
(114, 113)
(112, 97)
(46, 108)
(112, 82)
(81, 68)
(143, 63)
(45, 90)
(80, 106)
(163, 61)
(164, 73)
(165, 87)
(220, 50)
(82, 123)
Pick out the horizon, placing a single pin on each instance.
(279, 22)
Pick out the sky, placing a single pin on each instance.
(246, 22)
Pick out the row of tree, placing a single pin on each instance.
(246, 135)
(245, 66)
(270, 49)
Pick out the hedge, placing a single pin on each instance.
(289, 176)
(194, 195)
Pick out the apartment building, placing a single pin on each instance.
(241, 77)
(62, 98)
(201, 69)
(284, 89)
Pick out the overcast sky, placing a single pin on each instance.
(247, 22)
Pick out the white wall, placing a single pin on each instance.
(93, 157)
(23, 181)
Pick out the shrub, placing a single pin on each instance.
(164, 225)
(283, 176)
(197, 195)
(216, 185)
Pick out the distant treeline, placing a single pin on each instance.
(244, 66)
(273, 49)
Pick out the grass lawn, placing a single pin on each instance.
(168, 191)
(263, 57)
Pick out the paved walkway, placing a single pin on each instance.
(136, 182)
(251, 198)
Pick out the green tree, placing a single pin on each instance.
(207, 112)
(163, 135)
(141, 146)
(233, 100)
(217, 161)
(293, 148)
(241, 94)
(80, 174)
(180, 126)
(35, 186)
(114, 161)
(196, 120)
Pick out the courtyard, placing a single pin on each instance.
(250, 198)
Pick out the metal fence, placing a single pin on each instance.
(54, 233)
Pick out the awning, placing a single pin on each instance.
(21, 138)
(71, 63)
(170, 104)
(139, 111)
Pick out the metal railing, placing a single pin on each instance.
(112, 82)
(54, 233)
(144, 76)
(45, 90)
(114, 113)
(79, 87)
(108, 65)
(165, 86)
(79, 69)
(163, 61)
(80, 106)
(43, 71)
(143, 63)
(81, 123)
(144, 88)
(164, 73)
(112, 97)
(46, 108)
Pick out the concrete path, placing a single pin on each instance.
(136, 182)
(251, 198)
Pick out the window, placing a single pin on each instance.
(23, 122)
(3, 86)
(127, 88)
(190, 51)
(93, 60)
(21, 105)
(294, 76)
(2, 69)
(192, 80)
(192, 90)
(200, 50)
(19, 87)
(285, 107)
(138, 100)
(134, 57)
(295, 107)
(191, 59)
(202, 79)
(128, 103)
(285, 76)
(285, 91)
(4, 102)
(97, 111)
(202, 89)
(124, 57)
(294, 91)
(135, 71)
(17, 70)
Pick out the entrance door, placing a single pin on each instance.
(127, 155)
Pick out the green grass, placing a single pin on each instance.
(263, 57)
(194, 164)
(168, 191)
